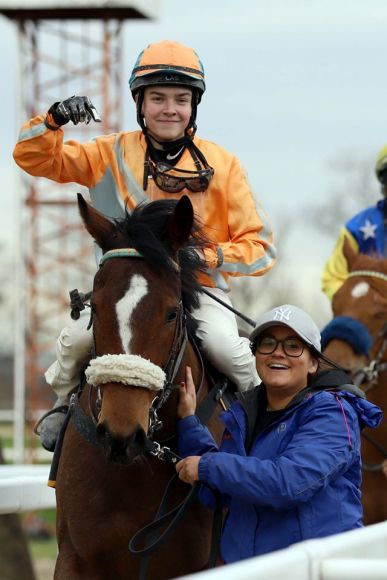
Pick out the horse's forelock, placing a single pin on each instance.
(145, 229)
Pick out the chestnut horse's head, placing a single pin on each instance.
(360, 312)
(144, 286)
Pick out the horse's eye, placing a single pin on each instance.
(171, 316)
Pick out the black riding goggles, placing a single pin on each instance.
(173, 180)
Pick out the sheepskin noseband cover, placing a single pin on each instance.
(127, 369)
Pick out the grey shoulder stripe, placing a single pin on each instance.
(106, 198)
(131, 184)
(248, 269)
(35, 131)
(218, 279)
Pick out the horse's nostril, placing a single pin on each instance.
(101, 433)
(139, 437)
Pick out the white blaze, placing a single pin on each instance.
(361, 289)
(125, 307)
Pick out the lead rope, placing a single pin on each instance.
(171, 519)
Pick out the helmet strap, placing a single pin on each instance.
(140, 116)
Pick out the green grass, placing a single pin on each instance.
(42, 548)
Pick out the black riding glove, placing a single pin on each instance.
(75, 109)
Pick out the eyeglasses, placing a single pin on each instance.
(292, 346)
(174, 180)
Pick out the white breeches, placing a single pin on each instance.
(73, 350)
(218, 331)
(226, 350)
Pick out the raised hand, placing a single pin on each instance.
(187, 396)
(75, 109)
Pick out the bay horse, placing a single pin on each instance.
(108, 485)
(356, 338)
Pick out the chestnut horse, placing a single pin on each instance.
(356, 338)
(108, 484)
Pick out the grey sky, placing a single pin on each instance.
(291, 85)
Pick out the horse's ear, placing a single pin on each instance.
(99, 227)
(349, 253)
(180, 223)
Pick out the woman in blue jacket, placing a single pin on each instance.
(289, 465)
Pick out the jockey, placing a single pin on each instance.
(366, 232)
(165, 159)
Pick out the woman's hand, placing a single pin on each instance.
(188, 469)
(187, 396)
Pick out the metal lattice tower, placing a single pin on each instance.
(81, 54)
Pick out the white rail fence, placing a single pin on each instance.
(24, 487)
(356, 555)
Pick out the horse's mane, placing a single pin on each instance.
(145, 229)
(375, 263)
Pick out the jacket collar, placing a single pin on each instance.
(254, 401)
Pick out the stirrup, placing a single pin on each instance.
(61, 409)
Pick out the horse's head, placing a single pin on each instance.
(138, 315)
(360, 311)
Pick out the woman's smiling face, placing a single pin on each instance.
(283, 374)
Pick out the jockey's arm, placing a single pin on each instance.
(250, 250)
(335, 271)
(42, 152)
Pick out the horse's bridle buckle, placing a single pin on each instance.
(163, 453)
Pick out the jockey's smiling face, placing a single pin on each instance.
(284, 373)
(167, 111)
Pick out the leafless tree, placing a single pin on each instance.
(356, 188)
(253, 296)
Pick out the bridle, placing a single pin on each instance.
(171, 367)
(179, 343)
(366, 377)
(369, 374)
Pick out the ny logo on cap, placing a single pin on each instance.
(282, 313)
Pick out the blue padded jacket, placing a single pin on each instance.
(300, 478)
